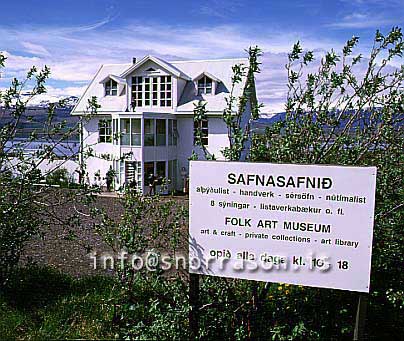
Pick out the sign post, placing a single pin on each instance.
(359, 331)
(194, 306)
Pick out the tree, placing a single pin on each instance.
(344, 116)
(28, 203)
(347, 112)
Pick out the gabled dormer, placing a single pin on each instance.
(153, 84)
(114, 85)
(206, 84)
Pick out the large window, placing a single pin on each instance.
(149, 132)
(154, 91)
(130, 131)
(203, 127)
(160, 132)
(111, 88)
(125, 131)
(136, 135)
(204, 85)
(104, 131)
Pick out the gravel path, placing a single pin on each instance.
(56, 247)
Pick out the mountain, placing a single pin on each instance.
(43, 100)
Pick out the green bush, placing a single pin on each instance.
(59, 176)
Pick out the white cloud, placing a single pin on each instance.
(20, 63)
(219, 8)
(362, 20)
(35, 49)
(75, 54)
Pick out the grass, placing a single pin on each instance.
(41, 303)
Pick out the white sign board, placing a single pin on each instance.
(298, 224)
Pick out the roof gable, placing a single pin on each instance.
(165, 65)
(207, 74)
(117, 79)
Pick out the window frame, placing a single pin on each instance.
(151, 133)
(152, 91)
(204, 126)
(203, 85)
(161, 131)
(111, 88)
(105, 130)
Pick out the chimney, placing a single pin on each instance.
(134, 60)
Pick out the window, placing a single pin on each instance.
(137, 92)
(204, 85)
(175, 133)
(148, 173)
(147, 91)
(149, 132)
(152, 91)
(125, 131)
(111, 88)
(155, 91)
(172, 172)
(172, 132)
(203, 127)
(165, 91)
(135, 132)
(104, 131)
(130, 131)
(160, 132)
(160, 170)
(115, 132)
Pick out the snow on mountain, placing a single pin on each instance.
(44, 100)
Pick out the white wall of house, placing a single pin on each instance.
(217, 138)
(96, 165)
(47, 166)
(184, 97)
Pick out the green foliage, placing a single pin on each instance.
(59, 177)
(200, 112)
(149, 305)
(335, 116)
(17, 222)
(26, 197)
(41, 303)
(238, 130)
(236, 107)
(154, 308)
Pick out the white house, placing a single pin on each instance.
(145, 124)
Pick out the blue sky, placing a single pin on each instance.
(75, 37)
